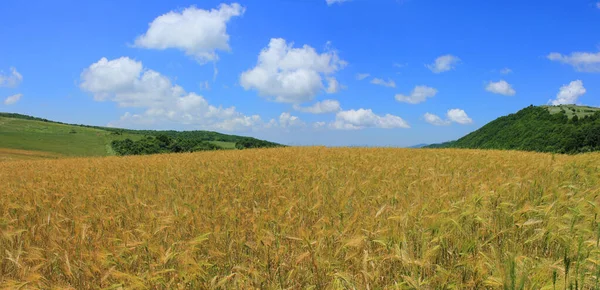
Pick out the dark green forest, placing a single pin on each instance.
(183, 143)
(536, 129)
(161, 144)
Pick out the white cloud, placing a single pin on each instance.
(453, 115)
(319, 125)
(581, 61)
(435, 120)
(333, 86)
(10, 80)
(568, 94)
(331, 2)
(286, 120)
(381, 82)
(12, 99)
(459, 116)
(501, 87)
(444, 63)
(292, 75)
(126, 82)
(326, 106)
(505, 71)
(197, 32)
(361, 77)
(598, 5)
(418, 95)
(361, 118)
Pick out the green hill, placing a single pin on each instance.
(29, 133)
(559, 129)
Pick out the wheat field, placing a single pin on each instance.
(303, 218)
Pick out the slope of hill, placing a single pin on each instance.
(559, 129)
(62, 139)
(17, 154)
(27, 133)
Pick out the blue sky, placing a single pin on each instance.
(300, 72)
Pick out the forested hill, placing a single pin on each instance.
(559, 129)
(24, 132)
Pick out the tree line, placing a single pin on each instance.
(166, 144)
(160, 144)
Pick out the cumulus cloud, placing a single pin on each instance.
(501, 87)
(568, 94)
(292, 75)
(197, 32)
(326, 106)
(444, 63)
(11, 80)
(365, 118)
(126, 82)
(12, 99)
(418, 95)
(458, 116)
(453, 115)
(435, 120)
(389, 83)
(581, 61)
(331, 2)
(361, 77)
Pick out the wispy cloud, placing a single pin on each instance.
(12, 99)
(581, 61)
(325, 106)
(361, 77)
(11, 80)
(331, 2)
(380, 82)
(443, 63)
(418, 95)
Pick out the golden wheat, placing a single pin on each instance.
(295, 218)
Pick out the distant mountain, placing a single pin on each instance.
(559, 129)
(24, 132)
(419, 145)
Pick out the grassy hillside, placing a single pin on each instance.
(65, 140)
(560, 129)
(18, 154)
(29, 133)
(572, 110)
(303, 218)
